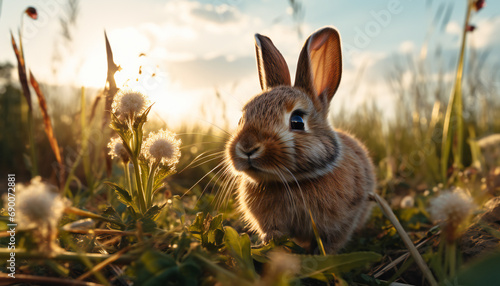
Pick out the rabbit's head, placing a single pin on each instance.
(284, 134)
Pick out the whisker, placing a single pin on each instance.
(204, 176)
(289, 193)
(200, 157)
(201, 142)
(225, 188)
(219, 156)
(232, 186)
(222, 175)
(206, 134)
(298, 185)
(231, 181)
(209, 182)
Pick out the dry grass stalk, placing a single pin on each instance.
(48, 124)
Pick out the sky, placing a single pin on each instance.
(199, 47)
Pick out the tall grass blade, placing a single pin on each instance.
(453, 129)
(316, 234)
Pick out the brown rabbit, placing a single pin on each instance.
(290, 159)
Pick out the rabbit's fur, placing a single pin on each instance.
(288, 168)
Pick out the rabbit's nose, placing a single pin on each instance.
(252, 151)
(248, 152)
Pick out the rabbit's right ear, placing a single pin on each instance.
(320, 66)
(273, 70)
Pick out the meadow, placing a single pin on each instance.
(109, 213)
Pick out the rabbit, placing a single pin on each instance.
(293, 167)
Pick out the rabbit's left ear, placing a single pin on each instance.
(320, 65)
(273, 70)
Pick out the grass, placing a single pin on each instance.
(176, 233)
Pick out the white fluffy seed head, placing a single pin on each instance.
(280, 268)
(38, 205)
(128, 104)
(163, 147)
(117, 150)
(450, 210)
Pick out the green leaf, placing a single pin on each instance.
(140, 120)
(482, 272)
(123, 195)
(197, 226)
(208, 231)
(153, 212)
(239, 247)
(120, 127)
(315, 266)
(161, 174)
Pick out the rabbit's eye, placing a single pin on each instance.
(297, 120)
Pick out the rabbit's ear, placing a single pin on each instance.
(273, 70)
(320, 65)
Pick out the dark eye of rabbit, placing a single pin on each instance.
(297, 120)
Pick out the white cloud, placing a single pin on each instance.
(453, 28)
(485, 34)
(406, 47)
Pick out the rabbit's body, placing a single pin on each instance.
(290, 159)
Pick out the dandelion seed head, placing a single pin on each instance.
(38, 205)
(280, 265)
(117, 150)
(450, 209)
(128, 104)
(162, 146)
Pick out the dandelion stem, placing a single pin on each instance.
(127, 175)
(452, 257)
(149, 187)
(138, 180)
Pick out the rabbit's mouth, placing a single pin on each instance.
(262, 174)
(259, 175)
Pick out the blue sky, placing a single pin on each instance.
(195, 47)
